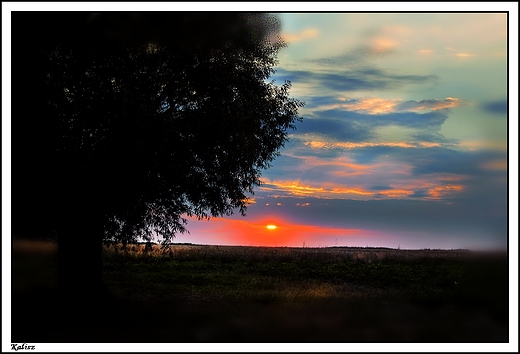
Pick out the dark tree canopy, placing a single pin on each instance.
(138, 119)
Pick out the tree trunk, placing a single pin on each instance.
(80, 237)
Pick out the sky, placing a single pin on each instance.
(404, 138)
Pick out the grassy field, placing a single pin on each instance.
(191, 293)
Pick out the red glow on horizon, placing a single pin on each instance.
(273, 231)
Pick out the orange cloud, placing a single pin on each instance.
(465, 55)
(383, 105)
(440, 191)
(342, 162)
(350, 145)
(434, 105)
(297, 189)
(429, 144)
(294, 187)
(442, 186)
(372, 105)
(383, 45)
(397, 193)
(302, 35)
(331, 191)
(495, 165)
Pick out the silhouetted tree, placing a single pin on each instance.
(124, 123)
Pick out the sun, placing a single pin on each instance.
(271, 227)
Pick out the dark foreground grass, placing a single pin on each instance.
(255, 294)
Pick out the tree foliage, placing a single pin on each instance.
(141, 119)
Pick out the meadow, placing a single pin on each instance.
(234, 294)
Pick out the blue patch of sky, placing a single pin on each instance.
(379, 188)
(496, 107)
(352, 80)
(337, 129)
(441, 160)
(360, 122)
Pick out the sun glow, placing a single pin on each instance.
(271, 227)
(286, 233)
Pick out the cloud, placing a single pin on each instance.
(441, 191)
(299, 36)
(340, 123)
(377, 124)
(354, 145)
(439, 160)
(396, 193)
(371, 105)
(427, 170)
(496, 107)
(482, 145)
(465, 55)
(335, 128)
(379, 188)
(251, 200)
(308, 162)
(352, 80)
(350, 145)
(382, 45)
(374, 46)
(497, 164)
(422, 189)
(428, 121)
(431, 105)
(416, 158)
(321, 101)
(432, 187)
(368, 170)
(325, 190)
(363, 123)
(371, 149)
(384, 105)
(446, 224)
